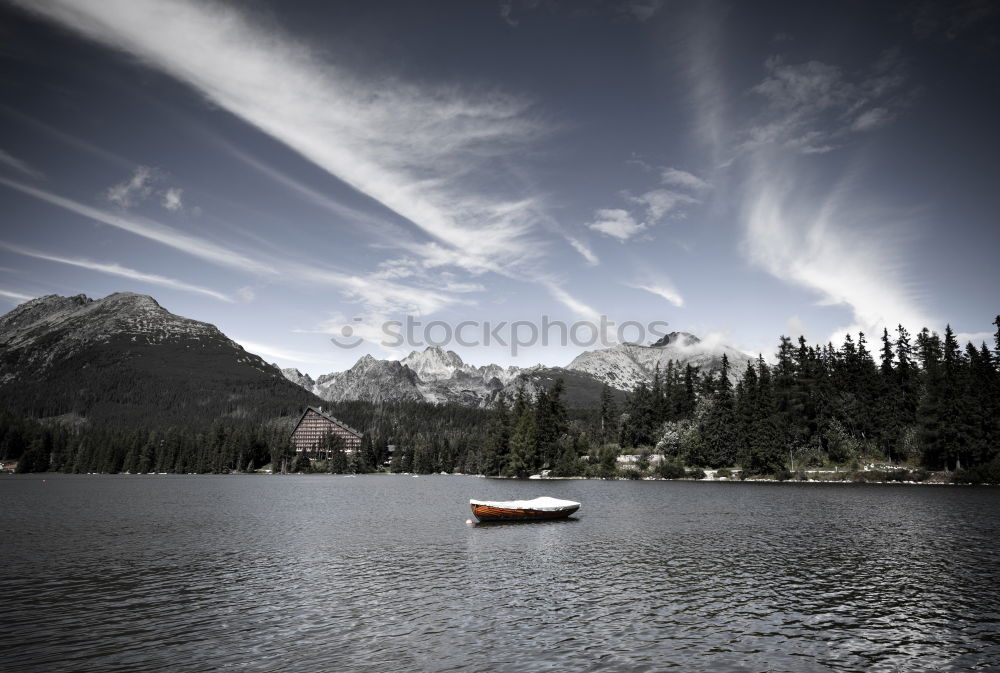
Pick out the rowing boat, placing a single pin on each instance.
(539, 509)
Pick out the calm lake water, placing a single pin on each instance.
(382, 573)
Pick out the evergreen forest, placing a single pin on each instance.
(914, 405)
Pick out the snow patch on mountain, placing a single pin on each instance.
(440, 376)
(626, 365)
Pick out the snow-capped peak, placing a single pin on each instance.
(434, 364)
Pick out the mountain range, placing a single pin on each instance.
(438, 376)
(123, 357)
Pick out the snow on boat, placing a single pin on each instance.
(539, 509)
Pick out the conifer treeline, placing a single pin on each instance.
(924, 400)
(223, 446)
(921, 400)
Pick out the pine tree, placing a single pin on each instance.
(550, 423)
(996, 339)
(718, 429)
(522, 458)
(497, 446)
(745, 409)
(932, 414)
(690, 396)
(609, 415)
(906, 378)
(767, 451)
(887, 354)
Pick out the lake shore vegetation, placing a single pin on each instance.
(921, 408)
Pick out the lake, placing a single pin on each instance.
(383, 573)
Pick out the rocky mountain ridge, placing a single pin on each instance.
(439, 376)
(626, 365)
(126, 357)
(54, 341)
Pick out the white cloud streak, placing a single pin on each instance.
(9, 160)
(115, 269)
(826, 241)
(384, 296)
(656, 204)
(663, 289)
(679, 178)
(279, 354)
(831, 245)
(149, 229)
(617, 223)
(16, 296)
(420, 152)
(833, 241)
(572, 303)
(339, 210)
(585, 250)
(699, 31)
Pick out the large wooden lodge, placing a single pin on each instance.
(313, 427)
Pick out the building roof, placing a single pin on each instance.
(328, 417)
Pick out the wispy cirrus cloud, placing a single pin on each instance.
(662, 288)
(172, 200)
(808, 235)
(383, 296)
(678, 178)
(15, 296)
(144, 182)
(506, 12)
(149, 229)
(643, 10)
(70, 140)
(282, 354)
(813, 107)
(381, 226)
(9, 160)
(436, 155)
(651, 206)
(116, 269)
(658, 203)
(129, 192)
(572, 303)
(423, 151)
(617, 223)
(791, 226)
(700, 37)
(812, 240)
(585, 250)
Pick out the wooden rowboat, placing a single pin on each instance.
(539, 509)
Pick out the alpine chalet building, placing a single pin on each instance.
(313, 427)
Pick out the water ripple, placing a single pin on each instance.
(317, 574)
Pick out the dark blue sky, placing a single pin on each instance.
(739, 170)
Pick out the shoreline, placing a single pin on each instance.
(535, 477)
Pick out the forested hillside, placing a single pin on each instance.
(920, 402)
